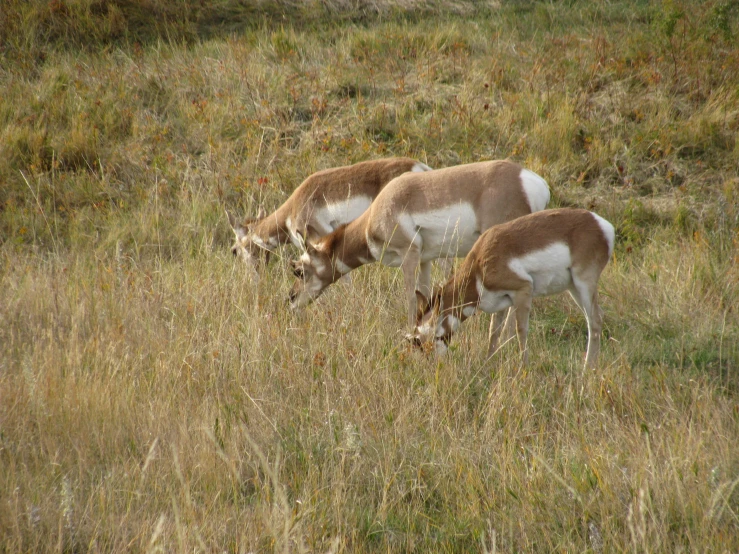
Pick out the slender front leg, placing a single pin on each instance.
(522, 306)
(409, 266)
(497, 321)
(509, 327)
(424, 279)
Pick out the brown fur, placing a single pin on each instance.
(493, 190)
(488, 262)
(575, 227)
(319, 189)
(348, 246)
(327, 186)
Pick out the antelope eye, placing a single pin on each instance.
(234, 251)
(298, 272)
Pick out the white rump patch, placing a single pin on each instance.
(420, 168)
(608, 232)
(536, 190)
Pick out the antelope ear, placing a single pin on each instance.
(436, 302)
(422, 305)
(231, 219)
(237, 227)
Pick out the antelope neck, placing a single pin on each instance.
(272, 227)
(349, 248)
(458, 295)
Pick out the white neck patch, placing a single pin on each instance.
(269, 245)
(341, 267)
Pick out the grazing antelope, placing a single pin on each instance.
(537, 255)
(417, 218)
(324, 201)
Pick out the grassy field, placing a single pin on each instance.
(153, 398)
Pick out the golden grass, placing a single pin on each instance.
(139, 401)
(152, 398)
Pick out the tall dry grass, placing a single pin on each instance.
(152, 398)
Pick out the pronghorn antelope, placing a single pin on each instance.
(324, 201)
(537, 255)
(417, 218)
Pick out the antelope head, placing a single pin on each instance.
(430, 325)
(314, 271)
(247, 246)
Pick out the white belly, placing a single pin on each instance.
(494, 301)
(547, 269)
(334, 215)
(444, 233)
